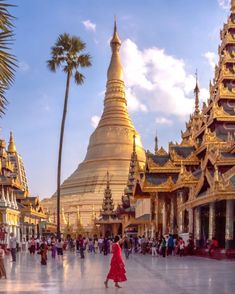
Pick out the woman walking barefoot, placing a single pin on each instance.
(117, 268)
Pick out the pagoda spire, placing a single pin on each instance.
(115, 71)
(233, 6)
(197, 91)
(11, 145)
(156, 143)
(108, 206)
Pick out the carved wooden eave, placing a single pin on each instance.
(168, 167)
(190, 160)
(138, 192)
(218, 113)
(11, 182)
(228, 57)
(186, 177)
(161, 152)
(166, 186)
(210, 197)
(226, 93)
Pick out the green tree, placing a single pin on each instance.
(67, 53)
(7, 60)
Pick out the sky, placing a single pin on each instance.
(163, 43)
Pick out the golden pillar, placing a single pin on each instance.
(211, 220)
(229, 227)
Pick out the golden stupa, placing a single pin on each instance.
(109, 149)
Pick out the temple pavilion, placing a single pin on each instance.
(20, 213)
(190, 188)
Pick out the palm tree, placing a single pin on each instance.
(67, 54)
(7, 60)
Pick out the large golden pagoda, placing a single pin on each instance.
(109, 149)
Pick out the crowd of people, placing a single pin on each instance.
(163, 246)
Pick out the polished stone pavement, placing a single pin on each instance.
(145, 274)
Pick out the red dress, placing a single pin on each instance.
(117, 270)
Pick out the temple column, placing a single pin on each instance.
(198, 226)
(180, 213)
(211, 220)
(172, 216)
(229, 226)
(164, 217)
(190, 218)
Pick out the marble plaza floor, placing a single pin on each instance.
(145, 275)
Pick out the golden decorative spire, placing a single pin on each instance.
(197, 91)
(115, 71)
(11, 145)
(134, 144)
(107, 186)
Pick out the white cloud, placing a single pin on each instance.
(95, 121)
(90, 26)
(225, 4)
(157, 81)
(23, 66)
(133, 103)
(212, 58)
(163, 121)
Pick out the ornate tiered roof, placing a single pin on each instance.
(204, 161)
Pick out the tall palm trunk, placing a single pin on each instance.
(60, 151)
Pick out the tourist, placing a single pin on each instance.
(53, 247)
(100, 244)
(96, 246)
(154, 247)
(59, 247)
(117, 268)
(126, 247)
(2, 267)
(170, 245)
(105, 245)
(181, 246)
(37, 243)
(90, 245)
(190, 246)
(77, 243)
(81, 246)
(32, 247)
(214, 245)
(43, 252)
(163, 246)
(23, 244)
(13, 246)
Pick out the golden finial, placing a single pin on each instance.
(115, 71)
(115, 40)
(11, 146)
(196, 91)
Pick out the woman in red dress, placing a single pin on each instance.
(117, 268)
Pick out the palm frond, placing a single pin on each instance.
(67, 54)
(8, 62)
(79, 78)
(84, 60)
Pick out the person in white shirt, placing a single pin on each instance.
(12, 246)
